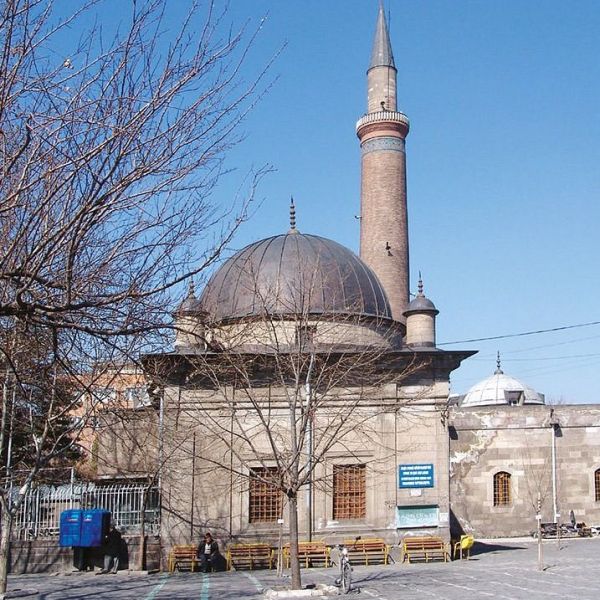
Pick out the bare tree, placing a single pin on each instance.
(110, 153)
(39, 428)
(273, 397)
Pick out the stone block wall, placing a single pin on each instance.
(46, 556)
(518, 440)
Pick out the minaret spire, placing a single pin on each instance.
(382, 55)
(383, 211)
(381, 74)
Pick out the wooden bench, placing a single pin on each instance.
(182, 557)
(368, 551)
(424, 548)
(249, 556)
(311, 554)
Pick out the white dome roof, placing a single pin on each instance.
(501, 389)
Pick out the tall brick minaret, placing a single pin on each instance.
(382, 132)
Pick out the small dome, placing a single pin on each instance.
(190, 305)
(291, 274)
(421, 304)
(501, 389)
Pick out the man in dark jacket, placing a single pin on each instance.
(112, 549)
(208, 554)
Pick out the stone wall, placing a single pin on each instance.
(518, 440)
(205, 487)
(46, 556)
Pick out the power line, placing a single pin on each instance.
(504, 359)
(513, 335)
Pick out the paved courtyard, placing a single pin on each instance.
(497, 570)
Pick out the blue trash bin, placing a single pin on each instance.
(95, 524)
(70, 527)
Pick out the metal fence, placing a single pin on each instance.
(39, 514)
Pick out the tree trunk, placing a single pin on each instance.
(141, 562)
(4, 548)
(294, 562)
(142, 551)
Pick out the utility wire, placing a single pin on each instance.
(512, 335)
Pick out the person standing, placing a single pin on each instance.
(208, 553)
(112, 550)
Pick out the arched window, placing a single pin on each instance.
(597, 484)
(502, 492)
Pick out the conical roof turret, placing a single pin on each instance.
(382, 55)
(420, 303)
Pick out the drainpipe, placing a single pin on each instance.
(309, 440)
(554, 424)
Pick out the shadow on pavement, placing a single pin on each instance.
(486, 548)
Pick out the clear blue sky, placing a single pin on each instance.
(503, 162)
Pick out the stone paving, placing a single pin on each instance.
(505, 570)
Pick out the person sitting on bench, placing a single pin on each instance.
(208, 554)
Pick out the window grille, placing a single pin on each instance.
(349, 492)
(597, 484)
(502, 492)
(104, 395)
(266, 501)
(137, 397)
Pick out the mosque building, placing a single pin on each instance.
(304, 374)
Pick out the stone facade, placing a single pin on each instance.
(518, 440)
(337, 332)
(205, 480)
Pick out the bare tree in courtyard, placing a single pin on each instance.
(110, 153)
(275, 396)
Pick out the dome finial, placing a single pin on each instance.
(292, 216)
(191, 289)
(498, 370)
(420, 285)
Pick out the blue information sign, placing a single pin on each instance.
(415, 476)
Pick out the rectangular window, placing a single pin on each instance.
(349, 492)
(266, 501)
(104, 395)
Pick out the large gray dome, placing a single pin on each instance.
(291, 274)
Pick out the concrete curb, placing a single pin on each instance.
(123, 572)
(321, 590)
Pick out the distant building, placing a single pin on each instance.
(118, 432)
(509, 451)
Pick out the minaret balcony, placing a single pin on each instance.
(383, 116)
